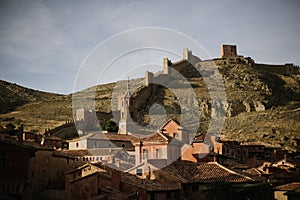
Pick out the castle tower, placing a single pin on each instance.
(126, 112)
(228, 51)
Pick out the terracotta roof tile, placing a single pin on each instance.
(288, 187)
(89, 152)
(210, 172)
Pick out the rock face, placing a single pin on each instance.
(236, 107)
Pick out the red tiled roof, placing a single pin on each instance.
(288, 187)
(89, 152)
(210, 172)
(215, 173)
(149, 185)
(111, 136)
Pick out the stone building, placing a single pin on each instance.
(28, 169)
(228, 51)
(165, 144)
(126, 107)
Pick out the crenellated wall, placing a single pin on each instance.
(286, 69)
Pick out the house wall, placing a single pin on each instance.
(279, 195)
(97, 143)
(80, 144)
(82, 188)
(14, 171)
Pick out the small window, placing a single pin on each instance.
(139, 172)
(47, 160)
(76, 144)
(175, 135)
(145, 152)
(44, 173)
(158, 153)
(32, 174)
(123, 145)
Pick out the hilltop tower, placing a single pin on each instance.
(228, 51)
(126, 111)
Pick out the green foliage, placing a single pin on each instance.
(110, 126)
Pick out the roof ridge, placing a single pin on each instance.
(230, 170)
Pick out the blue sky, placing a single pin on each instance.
(43, 43)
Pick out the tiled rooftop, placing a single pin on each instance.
(210, 172)
(105, 136)
(288, 187)
(90, 152)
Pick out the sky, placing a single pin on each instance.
(45, 44)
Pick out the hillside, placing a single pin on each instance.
(261, 105)
(35, 109)
(13, 96)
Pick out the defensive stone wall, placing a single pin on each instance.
(286, 69)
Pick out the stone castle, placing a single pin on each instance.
(130, 103)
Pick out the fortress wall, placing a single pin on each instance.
(286, 69)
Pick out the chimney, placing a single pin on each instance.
(215, 157)
(21, 133)
(115, 179)
(43, 140)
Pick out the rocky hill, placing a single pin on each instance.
(261, 105)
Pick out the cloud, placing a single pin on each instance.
(51, 38)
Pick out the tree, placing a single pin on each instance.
(11, 128)
(110, 126)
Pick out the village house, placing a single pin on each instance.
(281, 171)
(28, 169)
(164, 144)
(289, 191)
(101, 139)
(103, 155)
(203, 179)
(95, 180)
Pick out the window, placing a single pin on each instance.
(76, 144)
(95, 144)
(123, 145)
(145, 154)
(44, 173)
(175, 135)
(139, 172)
(32, 173)
(158, 153)
(47, 160)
